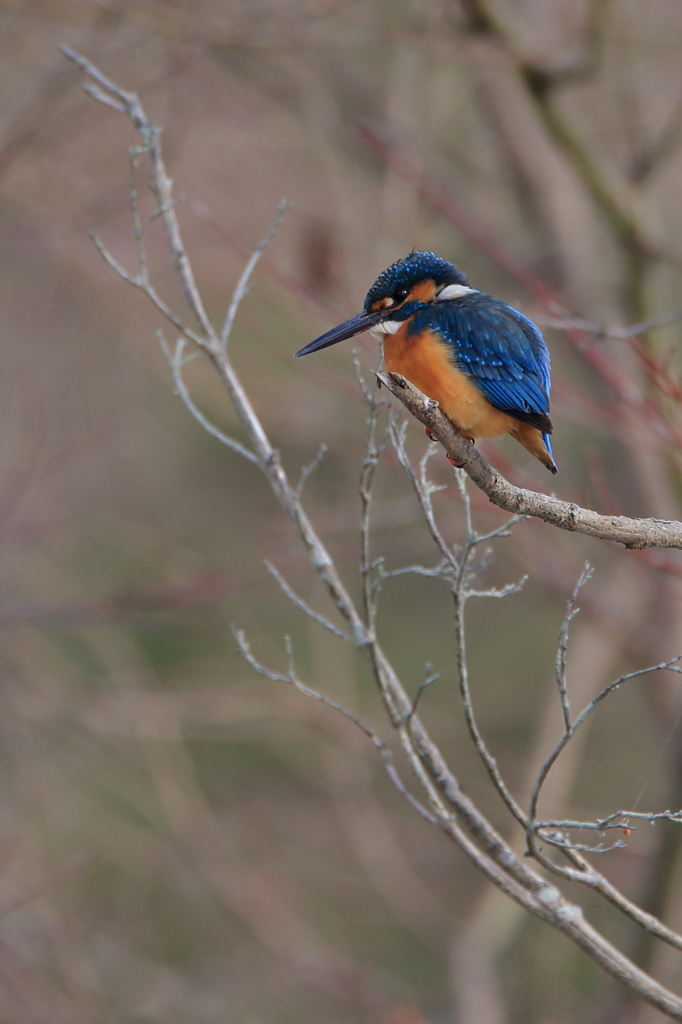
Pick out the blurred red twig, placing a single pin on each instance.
(122, 604)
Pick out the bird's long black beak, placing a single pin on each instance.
(356, 325)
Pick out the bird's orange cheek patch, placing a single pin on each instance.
(424, 291)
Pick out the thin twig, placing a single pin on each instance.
(308, 470)
(560, 671)
(440, 571)
(150, 292)
(460, 595)
(373, 451)
(422, 487)
(291, 676)
(499, 592)
(243, 283)
(561, 842)
(457, 568)
(176, 362)
(304, 607)
(430, 678)
(573, 727)
(162, 184)
(619, 820)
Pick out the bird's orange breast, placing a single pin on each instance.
(425, 360)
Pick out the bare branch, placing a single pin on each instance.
(439, 571)
(308, 470)
(561, 842)
(460, 594)
(162, 184)
(243, 284)
(501, 531)
(430, 678)
(571, 729)
(560, 673)
(506, 591)
(176, 362)
(566, 515)
(554, 832)
(582, 872)
(422, 487)
(150, 292)
(291, 677)
(300, 603)
(373, 451)
(619, 820)
(102, 97)
(669, 665)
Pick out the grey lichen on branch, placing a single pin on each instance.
(633, 533)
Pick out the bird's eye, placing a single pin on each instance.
(400, 294)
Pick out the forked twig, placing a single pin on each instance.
(291, 676)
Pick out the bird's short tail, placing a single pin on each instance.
(536, 443)
(551, 464)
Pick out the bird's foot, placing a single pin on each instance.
(453, 462)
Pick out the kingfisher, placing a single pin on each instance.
(485, 363)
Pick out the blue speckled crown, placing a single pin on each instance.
(405, 273)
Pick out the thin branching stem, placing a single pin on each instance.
(373, 450)
(618, 820)
(430, 678)
(423, 489)
(291, 676)
(560, 670)
(176, 361)
(460, 595)
(572, 728)
(321, 620)
(581, 872)
(308, 470)
(244, 281)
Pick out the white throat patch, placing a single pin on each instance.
(385, 327)
(453, 291)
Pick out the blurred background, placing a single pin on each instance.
(182, 840)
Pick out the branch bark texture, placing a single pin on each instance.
(633, 533)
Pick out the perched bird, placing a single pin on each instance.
(485, 364)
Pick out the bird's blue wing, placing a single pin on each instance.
(502, 352)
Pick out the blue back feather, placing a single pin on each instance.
(502, 351)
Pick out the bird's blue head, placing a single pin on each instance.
(417, 276)
(407, 285)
